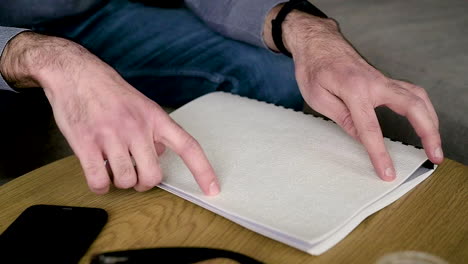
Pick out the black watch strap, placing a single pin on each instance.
(277, 30)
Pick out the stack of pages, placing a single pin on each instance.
(292, 177)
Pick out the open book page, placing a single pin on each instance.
(290, 176)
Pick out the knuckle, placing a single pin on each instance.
(104, 131)
(120, 161)
(370, 129)
(416, 103)
(125, 177)
(346, 80)
(365, 109)
(421, 92)
(82, 144)
(96, 180)
(160, 117)
(189, 144)
(131, 124)
(85, 135)
(346, 121)
(150, 153)
(92, 169)
(397, 89)
(148, 156)
(108, 129)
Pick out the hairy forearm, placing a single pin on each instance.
(31, 59)
(53, 63)
(300, 29)
(27, 55)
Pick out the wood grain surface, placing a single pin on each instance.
(433, 218)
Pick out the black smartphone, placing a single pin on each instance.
(51, 234)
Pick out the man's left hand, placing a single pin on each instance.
(338, 83)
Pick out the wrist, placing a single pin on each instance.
(34, 60)
(300, 30)
(13, 67)
(267, 28)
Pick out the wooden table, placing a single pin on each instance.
(432, 218)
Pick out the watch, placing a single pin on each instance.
(277, 29)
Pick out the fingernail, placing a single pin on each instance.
(438, 154)
(214, 188)
(389, 173)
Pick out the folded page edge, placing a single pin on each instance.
(323, 246)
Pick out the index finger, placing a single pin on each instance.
(370, 134)
(193, 156)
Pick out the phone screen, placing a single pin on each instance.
(51, 234)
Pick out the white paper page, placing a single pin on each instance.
(319, 247)
(293, 174)
(416, 178)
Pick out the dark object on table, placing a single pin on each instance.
(174, 255)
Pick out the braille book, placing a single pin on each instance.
(295, 178)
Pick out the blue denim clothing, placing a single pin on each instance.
(237, 19)
(173, 57)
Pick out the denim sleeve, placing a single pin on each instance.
(238, 19)
(7, 33)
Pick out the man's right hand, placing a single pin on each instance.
(101, 115)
